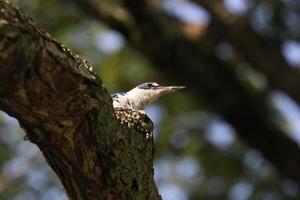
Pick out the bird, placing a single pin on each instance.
(142, 95)
(129, 106)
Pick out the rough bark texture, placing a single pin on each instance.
(192, 61)
(68, 114)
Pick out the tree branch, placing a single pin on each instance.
(68, 114)
(262, 53)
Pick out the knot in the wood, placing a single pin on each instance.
(135, 119)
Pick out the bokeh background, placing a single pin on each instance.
(198, 154)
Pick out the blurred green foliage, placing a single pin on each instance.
(195, 159)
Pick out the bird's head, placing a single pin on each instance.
(148, 92)
(153, 88)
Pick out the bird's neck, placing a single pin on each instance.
(139, 99)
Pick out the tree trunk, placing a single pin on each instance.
(68, 114)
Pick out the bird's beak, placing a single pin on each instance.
(169, 89)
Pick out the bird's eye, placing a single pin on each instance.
(149, 85)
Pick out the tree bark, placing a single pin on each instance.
(192, 61)
(68, 114)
